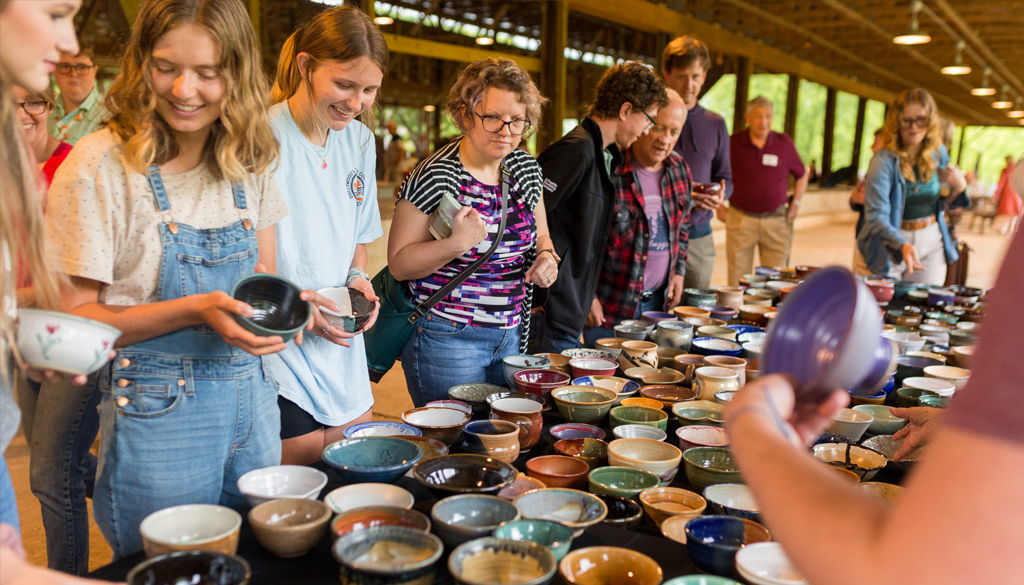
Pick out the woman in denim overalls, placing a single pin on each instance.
(187, 405)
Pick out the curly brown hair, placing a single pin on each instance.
(465, 95)
(893, 140)
(629, 82)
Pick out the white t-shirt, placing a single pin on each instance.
(104, 223)
(333, 210)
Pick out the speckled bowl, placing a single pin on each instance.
(709, 466)
(658, 457)
(573, 508)
(585, 404)
(474, 395)
(661, 503)
(372, 459)
(627, 482)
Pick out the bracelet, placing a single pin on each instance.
(356, 273)
(554, 256)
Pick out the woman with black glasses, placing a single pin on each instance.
(465, 336)
(905, 234)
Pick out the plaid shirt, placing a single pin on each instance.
(622, 271)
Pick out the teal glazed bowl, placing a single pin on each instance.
(627, 482)
(553, 535)
(372, 459)
(277, 308)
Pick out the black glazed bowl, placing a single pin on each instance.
(276, 304)
(362, 308)
(622, 512)
(464, 474)
(194, 567)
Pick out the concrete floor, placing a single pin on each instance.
(817, 242)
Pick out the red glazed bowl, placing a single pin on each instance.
(541, 382)
(592, 367)
(882, 289)
(559, 471)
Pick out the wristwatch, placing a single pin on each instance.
(553, 255)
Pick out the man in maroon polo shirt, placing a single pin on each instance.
(758, 213)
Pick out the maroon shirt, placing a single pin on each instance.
(760, 177)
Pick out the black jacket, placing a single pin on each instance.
(578, 196)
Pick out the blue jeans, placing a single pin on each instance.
(655, 303)
(62, 471)
(544, 339)
(8, 505)
(441, 353)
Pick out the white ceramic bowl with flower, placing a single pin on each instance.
(48, 340)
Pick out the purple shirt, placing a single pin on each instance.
(658, 253)
(761, 178)
(704, 145)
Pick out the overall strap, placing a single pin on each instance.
(239, 192)
(156, 184)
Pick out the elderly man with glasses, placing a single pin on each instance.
(79, 110)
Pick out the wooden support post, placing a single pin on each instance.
(792, 104)
(554, 37)
(858, 138)
(960, 150)
(744, 69)
(830, 129)
(254, 16)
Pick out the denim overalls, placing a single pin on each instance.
(184, 415)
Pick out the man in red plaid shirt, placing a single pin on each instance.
(645, 261)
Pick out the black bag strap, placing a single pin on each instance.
(437, 297)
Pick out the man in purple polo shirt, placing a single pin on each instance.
(704, 145)
(758, 213)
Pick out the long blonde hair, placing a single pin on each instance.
(242, 140)
(341, 34)
(893, 140)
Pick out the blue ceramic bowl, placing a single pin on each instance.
(720, 311)
(715, 346)
(553, 535)
(629, 387)
(828, 437)
(576, 431)
(741, 329)
(372, 459)
(902, 287)
(937, 296)
(381, 428)
(713, 541)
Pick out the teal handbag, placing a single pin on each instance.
(398, 315)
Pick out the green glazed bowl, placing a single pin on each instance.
(583, 404)
(911, 397)
(710, 466)
(276, 304)
(627, 482)
(553, 535)
(935, 401)
(638, 415)
(885, 423)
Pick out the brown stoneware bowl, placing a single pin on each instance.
(559, 471)
(289, 528)
(593, 452)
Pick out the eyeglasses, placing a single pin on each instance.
(33, 108)
(921, 122)
(495, 125)
(79, 69)
(650, 121)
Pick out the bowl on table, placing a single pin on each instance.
(641, 401)
(699, 412)
(374, 516)
(372, 459)
(885, 422)
(860, 460)
(710, 466)
(612, 344)
(355, 309)
(936, 386)
(277, 306)
(694, 297)
(686, 364)
(666, 355)
(556, 537)
(586, 352)
(388, 555)
(623, 387)
(525, 410)
(592, 367)
(910, 366)
(573, 508)
(638, 415)
(715, 346)
(755, 314)
(963, 354)
(474, 395)
(766, 563)
(875, 398)
(494, 438)
(493, 561)
(657, 317)
(290, 527)
(699, 322)
(191, 567)
(281, 481)
(367, 495)
(631, 332)
(623, 512)
(668, 395)
(627, 482)
(556, 471)
(658, 457)
(576, 431)
(459, 519)
(927, 354)
(514, 363)
(521, 485)
(559, 362)
(722, 312)
(49, 340)
(911, 397)
(903, 318)
(882, 289)
(191, 527)
(637, 431)
(733, 499)
(963, 338)
(604, 565)
(593, 452)
(381, 428)
(540, 382)
(935, 401)
(958, 377)
(432, 448)
(885, 445)
(661, 503)
(674, 334)
(648, 376)
(905, 340)
(464, 474)
(691, 312)
(693, 436)
(585, 404)
(713, 541)
(716, 332)
(850, 423)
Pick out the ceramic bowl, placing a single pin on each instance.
(658, 457)
(710, 466)
(372, 459)
(559, 471)
(911, 397)
(862, 461)
(885, 445)
(583, 352)
(514, 363)
(766, 563)
(355, 311)
(934, 385)
(559, 362)
(493, 561)
(191, 567)
(374, 516)
(525, 410)
(573, 508)
(691, 312)
(887, 491)
(715, 346)
(281, 481)
(909, 366)
(661, 503)
(713, 541)
(276, 305)
(704, 322)
(637, 431)
(927, 354)
(494, 438)
(963, 338)
(885, 422)
(576, 431)
(907, 341)
(464, 474)
(872, 399)
(592, 367)
(474, 395)
(716, 332)
(657, 317)
(381, 428)
(674, 528)
(701, 580)
(666, 355)
(958, 377)
(432, 448)
(290, 527)
(540, 382)
(456, 404)
(623, 512)
(521, 485)
(556, 537)
(963, 355)
(699, 412)
(935, 401)
(49, 340)
(755, 314)
(623, 387)
(191, 527)
(882, 289)
(612, 344)
(722, 312)
(459, 519)
(627, 482)
(638, 415)
(496, 396)
(593, 452)
(693, 436)
(366, 495)
(641, 401)
(648, 376)
(585, 404)
(724, 396)
(673, 334)
(668, 395)
(388, 555)
(850, 423)
(605, 565)
(631, 332)
(733, 499)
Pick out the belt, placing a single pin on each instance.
(917, 224)
(778, 211)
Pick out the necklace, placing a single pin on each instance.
(327, 150)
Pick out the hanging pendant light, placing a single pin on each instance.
(1004, 103)
(985, 88)
(383, 20)
(914, 37)
(1017, 111)
(957, 68)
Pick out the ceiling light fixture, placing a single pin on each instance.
(985, 88)
(1017, 111)
(914, 37)
(957, 68)
(484, 41)
(383, 20)
(428, 108)
(1004, 103)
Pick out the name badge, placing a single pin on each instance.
(770, 160)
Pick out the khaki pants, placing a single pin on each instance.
(772, 235)
(700, 262)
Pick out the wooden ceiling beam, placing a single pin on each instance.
(452, 52)
(968, 32)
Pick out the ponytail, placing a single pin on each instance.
(289, 78)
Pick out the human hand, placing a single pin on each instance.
(954, 177)
(721, 212)
(321, 323)
(919, 431)
(544, 271)
(773, 398)
(910, 258)
(370, 295)
(710, 201)
(674, 292)
(792, 211)
(217, 309)
(41, 376)
(596, 316)
(468, 229)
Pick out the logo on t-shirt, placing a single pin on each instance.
(356, 186)
(550, 186)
